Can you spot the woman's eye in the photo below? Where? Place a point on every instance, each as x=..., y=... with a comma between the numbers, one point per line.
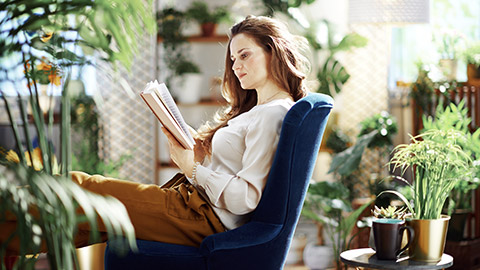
x=243, y=55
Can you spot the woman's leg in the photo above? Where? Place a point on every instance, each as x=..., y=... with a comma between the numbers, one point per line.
x=175, y=213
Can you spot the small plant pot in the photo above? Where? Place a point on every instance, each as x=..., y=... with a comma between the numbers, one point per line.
x=318, y=257
x=448, y=68
x=473, y=75
x=456, y=228
x=429, y=240
x=189, y=91
x=208, y=29
x=473, y=72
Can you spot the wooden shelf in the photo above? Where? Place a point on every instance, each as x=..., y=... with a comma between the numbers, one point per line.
x=206, y=102
x=216, y=38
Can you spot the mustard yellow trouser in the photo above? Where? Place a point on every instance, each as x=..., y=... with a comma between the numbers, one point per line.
x=173, y=213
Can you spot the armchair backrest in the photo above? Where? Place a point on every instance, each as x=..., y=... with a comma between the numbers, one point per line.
x=263, y=242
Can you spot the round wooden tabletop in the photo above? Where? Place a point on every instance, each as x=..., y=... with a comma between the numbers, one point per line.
x=365, y=257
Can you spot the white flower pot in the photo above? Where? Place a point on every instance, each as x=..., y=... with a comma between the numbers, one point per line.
x=318, y=257
x=189, y=89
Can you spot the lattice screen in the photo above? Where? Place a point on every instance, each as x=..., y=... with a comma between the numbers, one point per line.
x=365, y=93
x=128, y=126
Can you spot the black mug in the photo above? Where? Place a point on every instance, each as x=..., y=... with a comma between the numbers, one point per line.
x=388, y=235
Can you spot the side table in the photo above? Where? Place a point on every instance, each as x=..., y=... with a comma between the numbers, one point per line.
x=365, y=257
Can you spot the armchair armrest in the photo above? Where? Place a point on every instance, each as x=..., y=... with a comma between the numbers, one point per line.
x=251, y=234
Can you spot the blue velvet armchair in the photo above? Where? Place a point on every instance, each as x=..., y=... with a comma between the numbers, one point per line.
x=263, y=242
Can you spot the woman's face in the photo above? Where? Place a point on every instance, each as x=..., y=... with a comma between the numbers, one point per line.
x=250, y=62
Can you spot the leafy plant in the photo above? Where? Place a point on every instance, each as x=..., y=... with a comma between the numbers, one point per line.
x=200, y=12
x=376, y=131
x=44, y=73
x=422, y=91
x=337, y=140
x=184, y=66
x=45, y=209
x=456, y=117
x=448, y=42
x=63, y=35
x=386, y=126
x=437, y=162
x=328, y=204
x=283, y=6
x=85, y=137
x=471, y=54
x=332, y=75
x=170, y=24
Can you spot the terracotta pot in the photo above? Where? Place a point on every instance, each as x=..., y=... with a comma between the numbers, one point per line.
x=473, y=75
x=208, y=29
x=429, y=241
x=473, y=72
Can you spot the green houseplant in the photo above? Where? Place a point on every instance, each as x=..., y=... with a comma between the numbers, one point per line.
x=471, y=56
x=332, y=75
x=459, y=203
x=376, y=134
x=170, y=24
x=328, y=205
x=208, y=18
x=456, y=117
x=437, y=162
x=64, y=35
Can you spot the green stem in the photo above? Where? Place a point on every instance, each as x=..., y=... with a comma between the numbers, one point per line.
x=14, y=126
x=65, y=129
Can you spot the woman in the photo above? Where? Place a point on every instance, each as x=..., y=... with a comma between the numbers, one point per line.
x=228, y=169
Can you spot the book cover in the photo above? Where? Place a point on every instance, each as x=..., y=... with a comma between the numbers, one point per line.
x=159, y=100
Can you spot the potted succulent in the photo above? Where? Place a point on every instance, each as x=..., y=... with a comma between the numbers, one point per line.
x=388, y=231
x=64, y=35
x=390, y=212
x=437, y=162
x=207, y=18
x=328, y=205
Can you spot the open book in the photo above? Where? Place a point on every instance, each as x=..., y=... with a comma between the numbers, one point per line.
x=158, y=98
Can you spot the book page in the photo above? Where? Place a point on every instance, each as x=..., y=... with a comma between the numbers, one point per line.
x=167, y=99
x=165, y=115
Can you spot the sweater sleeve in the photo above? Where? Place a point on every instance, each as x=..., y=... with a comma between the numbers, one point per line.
x=240, y=193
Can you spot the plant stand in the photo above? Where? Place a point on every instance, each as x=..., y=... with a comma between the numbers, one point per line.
x=465, y=253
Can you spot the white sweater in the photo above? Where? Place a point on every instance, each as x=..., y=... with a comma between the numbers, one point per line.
x=242, y=154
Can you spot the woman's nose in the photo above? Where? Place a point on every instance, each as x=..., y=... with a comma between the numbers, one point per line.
x=235, y=65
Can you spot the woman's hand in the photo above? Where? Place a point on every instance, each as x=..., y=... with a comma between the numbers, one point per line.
x=182, y=157
x=198, y=149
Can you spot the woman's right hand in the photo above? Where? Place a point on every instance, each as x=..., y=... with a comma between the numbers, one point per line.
x=198, y=149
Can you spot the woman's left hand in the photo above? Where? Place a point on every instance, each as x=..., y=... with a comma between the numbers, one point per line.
x=182, y=157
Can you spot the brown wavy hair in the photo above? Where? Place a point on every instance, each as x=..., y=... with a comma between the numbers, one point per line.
x=288, y=69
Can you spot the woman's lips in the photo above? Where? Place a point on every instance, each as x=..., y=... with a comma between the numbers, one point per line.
x=241, y=75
